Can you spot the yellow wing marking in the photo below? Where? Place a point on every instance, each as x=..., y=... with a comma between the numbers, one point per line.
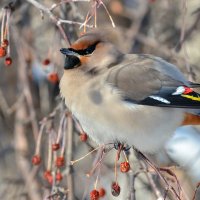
x=191, y=97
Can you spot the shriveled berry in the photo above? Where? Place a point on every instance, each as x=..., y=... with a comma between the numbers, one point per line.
x=5, y=43
x=46, y=61
x=124, y=167
x=2, y=52
x=53, y=77
x=59, y=176
x=36, y=160
x=60, y=161
x=115, y=189
x=102, y=192
x=83, y=137
x=94, y=195
x=55, y=146
x=8, y=61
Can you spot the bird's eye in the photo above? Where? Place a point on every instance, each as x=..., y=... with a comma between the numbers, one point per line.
x=87, y=51
x=90, y=49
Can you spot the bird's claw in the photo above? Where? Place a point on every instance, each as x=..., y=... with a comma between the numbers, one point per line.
x=122, y=146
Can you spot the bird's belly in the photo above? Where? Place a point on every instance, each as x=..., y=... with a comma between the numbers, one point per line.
x=146, y=128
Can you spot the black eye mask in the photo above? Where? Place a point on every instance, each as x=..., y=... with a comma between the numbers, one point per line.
x=86, y=51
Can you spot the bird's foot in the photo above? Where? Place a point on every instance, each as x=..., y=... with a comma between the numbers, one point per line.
x=121, y=146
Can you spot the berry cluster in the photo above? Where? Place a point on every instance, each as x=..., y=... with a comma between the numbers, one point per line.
x=49, y=177
x=55, y=158
x=59, y=162
x=96, y=194
x=115, y=188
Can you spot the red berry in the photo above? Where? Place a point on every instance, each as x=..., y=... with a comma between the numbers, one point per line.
x=94, y=195
x=59, y=176
x=8, y=61
x=36, y=160
x=83, y=137
x=115, y=189
x=2, y=51
x=48, y=176
x=50, y=179
x=53, y=77
x=124, y=167
x=47, y=173
x=5, y=43
x=55, y=146
x=46, y=61
x=102, y=192
x=60, y=161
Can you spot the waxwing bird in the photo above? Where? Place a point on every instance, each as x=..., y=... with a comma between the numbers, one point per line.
x=135, y=99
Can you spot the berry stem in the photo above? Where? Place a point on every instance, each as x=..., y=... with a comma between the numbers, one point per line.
x=125, y=157
x=97, y=163
x=87, y=19
x=95, y=14
x=111, y=19
x=60, y=130
x=7, y=30
x=38, y=144
x=96, y=182
x=75, y=161
x=78, y=126
x=49, y=162
x=64, y=137
x=116, y=159
x=3, y=25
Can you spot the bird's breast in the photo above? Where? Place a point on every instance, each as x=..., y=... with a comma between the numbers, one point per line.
x=107, y=118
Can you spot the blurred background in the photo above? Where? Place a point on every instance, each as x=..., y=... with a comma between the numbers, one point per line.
x=33, y=118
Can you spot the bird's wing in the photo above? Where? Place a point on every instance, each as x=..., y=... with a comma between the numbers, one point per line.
x=148, y=80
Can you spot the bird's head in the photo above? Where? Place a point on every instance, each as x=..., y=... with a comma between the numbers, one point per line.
x=92, y=50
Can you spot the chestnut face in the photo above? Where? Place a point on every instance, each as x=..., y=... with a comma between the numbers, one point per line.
x=72, y=58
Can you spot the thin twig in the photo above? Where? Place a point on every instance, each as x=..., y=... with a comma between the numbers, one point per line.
x=159, y=174
x=111, y=19
x=55, y=5
x=69, y=154
x=3, y=24
x=98, y=160
x=21, y=144
x=195, y=192
x=133, y=177
x=151, y=181
x=186, y=57
x=26, y=89
x=188, y=33
x=54, y=18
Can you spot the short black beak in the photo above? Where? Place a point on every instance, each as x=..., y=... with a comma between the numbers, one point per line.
x=71, y=59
